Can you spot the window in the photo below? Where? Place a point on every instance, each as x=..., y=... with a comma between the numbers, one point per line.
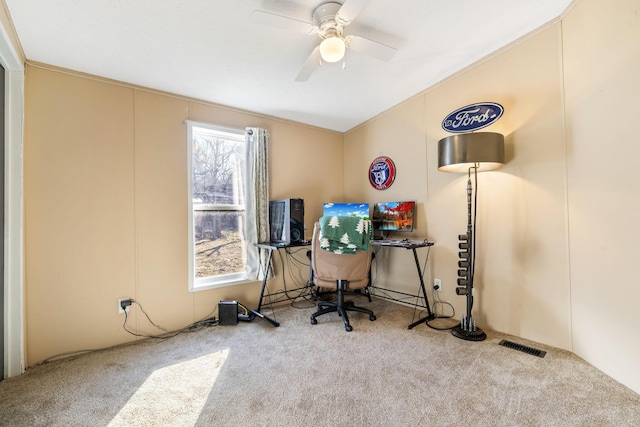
x=217, y=244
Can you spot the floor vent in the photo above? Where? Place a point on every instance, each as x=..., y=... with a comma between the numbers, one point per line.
x=523, y=348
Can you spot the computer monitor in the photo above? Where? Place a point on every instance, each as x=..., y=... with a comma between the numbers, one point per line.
x=393, y=217
x=361, y=210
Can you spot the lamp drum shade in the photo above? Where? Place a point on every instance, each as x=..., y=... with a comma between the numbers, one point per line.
x=458, y=153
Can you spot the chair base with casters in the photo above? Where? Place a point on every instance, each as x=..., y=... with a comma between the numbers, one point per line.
x=341, y=306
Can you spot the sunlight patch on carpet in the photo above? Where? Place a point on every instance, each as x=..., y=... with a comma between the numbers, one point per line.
x=173, y=395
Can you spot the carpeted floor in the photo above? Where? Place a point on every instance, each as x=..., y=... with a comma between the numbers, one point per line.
x=298, y=374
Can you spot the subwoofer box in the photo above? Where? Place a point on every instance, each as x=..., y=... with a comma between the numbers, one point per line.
x=228, y=313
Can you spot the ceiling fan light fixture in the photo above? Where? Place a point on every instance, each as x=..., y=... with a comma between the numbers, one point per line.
x=332, y=49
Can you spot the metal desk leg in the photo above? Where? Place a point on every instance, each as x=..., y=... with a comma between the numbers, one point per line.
x=264, y=286
x=430, y=315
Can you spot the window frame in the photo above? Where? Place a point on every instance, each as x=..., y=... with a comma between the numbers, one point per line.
x=211, y=282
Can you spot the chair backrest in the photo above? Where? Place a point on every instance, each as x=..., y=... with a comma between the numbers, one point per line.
x=329, y=267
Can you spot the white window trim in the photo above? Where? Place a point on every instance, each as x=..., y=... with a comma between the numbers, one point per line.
x=13, y=205
x=207, y=283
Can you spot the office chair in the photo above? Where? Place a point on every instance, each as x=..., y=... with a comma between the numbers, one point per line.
x=318, y=293
x=348, y=274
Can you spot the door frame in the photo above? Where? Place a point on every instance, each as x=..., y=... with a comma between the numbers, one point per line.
x=13, y=300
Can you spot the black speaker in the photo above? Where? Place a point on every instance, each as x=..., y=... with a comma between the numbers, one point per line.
x=297, y=221
x=227, y=313
x=286, y=220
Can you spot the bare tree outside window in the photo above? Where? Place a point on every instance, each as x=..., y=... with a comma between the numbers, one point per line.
x=218, y=170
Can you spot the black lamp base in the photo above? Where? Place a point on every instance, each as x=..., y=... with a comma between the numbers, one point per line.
x=477, y=335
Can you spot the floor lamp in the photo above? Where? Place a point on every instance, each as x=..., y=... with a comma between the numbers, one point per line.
x=470, y=153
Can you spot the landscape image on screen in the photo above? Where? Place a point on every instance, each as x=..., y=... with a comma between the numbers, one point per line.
x=393, y=216
x=360, y=210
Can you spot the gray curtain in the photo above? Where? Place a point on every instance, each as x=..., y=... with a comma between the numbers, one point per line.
x=257, y=203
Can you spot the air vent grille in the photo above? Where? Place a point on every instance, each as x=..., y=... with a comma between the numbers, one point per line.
x=523, y=348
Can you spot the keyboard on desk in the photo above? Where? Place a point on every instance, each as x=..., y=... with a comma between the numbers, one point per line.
x=400, y=242
x=389, y=242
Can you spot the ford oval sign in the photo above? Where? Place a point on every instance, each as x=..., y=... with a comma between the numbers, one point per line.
x=382, y=173
x=472, y=117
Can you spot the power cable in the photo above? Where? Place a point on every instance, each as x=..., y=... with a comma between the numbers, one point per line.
x=196, y=326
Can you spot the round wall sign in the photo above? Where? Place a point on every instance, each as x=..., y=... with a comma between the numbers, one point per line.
x=382, y=173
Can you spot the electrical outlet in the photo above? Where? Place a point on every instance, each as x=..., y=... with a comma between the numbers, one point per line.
x=123, y=304
x=437, y=284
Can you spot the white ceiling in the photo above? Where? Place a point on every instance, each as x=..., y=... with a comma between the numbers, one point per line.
x=211, y=50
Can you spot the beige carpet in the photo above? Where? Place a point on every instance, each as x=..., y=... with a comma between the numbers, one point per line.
x=299, y=374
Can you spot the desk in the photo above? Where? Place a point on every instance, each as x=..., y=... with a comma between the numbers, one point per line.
x=413, y=245
x=270, y=247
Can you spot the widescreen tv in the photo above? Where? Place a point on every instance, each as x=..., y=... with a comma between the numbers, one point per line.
x=390, y=217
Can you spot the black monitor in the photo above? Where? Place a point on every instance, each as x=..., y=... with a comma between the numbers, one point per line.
x=390, y=217
x=361, y=210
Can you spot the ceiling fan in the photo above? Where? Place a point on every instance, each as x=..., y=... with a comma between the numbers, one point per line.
x=329, y=21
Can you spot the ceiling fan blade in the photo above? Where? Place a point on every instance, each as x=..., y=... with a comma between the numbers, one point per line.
x=310, y=65
x=349, y=10
x=369, y=47
x=282, y=22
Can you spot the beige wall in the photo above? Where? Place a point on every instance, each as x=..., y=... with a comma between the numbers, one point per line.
x=79, y=211
x=105, y=206
x=556, y=235
x=602, y=65
x=521, y=264
x=399, y=135
x=521, y=228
